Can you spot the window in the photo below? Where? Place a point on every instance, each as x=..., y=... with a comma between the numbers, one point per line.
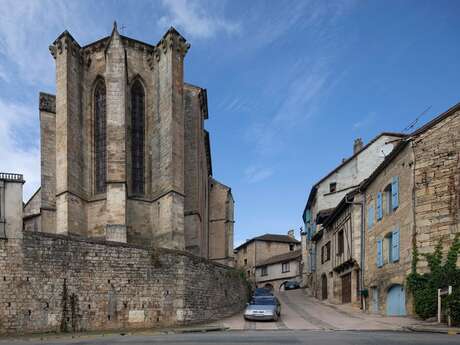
x=285, y=267
x=388, y=203
x=263, y=271
x=395, y=192
x=245, y=262
x=137, y=138
x=340, y=243
x=291, y=247
x=370, y=217
x=379, y=206
x=388, y=249
x=332, y=187
x=100, y=145
x=249, y=273
x=326, y=252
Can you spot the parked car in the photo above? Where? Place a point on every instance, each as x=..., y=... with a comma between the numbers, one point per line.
x=263, y=308
x=291, y=285
x=262, y=292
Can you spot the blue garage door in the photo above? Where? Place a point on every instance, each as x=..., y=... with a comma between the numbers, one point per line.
x=396, y=301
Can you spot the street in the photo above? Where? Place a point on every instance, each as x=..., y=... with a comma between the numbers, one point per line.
x=301, y=312
x=257, y=337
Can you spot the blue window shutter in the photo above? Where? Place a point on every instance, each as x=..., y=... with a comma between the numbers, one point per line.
x=379, y=253
x=395, y=246
x=370, y=217
x=395, y=192
x=379, y=206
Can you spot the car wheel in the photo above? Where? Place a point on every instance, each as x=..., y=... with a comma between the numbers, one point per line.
x=275, y=317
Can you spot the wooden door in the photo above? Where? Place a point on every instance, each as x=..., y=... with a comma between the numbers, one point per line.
x=323, y=286
x=396, y=301
x=346, y=288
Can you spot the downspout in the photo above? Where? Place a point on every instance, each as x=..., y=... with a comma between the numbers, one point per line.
x=362, y=247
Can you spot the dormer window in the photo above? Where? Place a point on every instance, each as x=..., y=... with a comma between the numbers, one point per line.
x=332, y=187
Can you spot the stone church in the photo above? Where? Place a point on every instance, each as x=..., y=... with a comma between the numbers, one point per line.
x=124, y=153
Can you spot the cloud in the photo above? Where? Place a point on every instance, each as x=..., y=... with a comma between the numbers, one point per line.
x=304, y=90
x=18, y=122
x=28, y=27
x=255, y=174
x=365, y=121
x=198, y=19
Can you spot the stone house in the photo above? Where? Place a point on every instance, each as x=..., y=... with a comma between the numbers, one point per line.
x=339, y=252
x=411, y=199
x=327, y=193
x=124, y=152
x=275, y=271
x=258, y=249
x=389, y=228
x=11, y=205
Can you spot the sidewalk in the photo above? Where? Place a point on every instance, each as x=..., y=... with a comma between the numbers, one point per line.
x=402, y=322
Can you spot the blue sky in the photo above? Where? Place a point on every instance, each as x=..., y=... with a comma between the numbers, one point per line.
x=290, y=84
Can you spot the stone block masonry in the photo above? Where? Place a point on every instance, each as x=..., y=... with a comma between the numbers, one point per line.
x=52, y=283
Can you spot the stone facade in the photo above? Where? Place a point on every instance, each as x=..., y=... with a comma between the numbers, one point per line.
x=221, y=220
x=128, y=177
x=410, y=199
x=261, y=248
x=384, y=268
x=52, y=282
x=337, y=274
x=275, y=271
x=327, y=193
x=436, y=148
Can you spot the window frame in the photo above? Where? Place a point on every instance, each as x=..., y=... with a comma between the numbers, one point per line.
x=137, y=138
x=263, y=271
x=100, y=136
x=285, y=267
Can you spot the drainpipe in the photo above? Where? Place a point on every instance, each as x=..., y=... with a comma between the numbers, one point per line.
x=361, y=263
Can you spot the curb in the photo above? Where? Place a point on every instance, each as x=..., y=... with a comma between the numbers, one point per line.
x=198, y=330
x=450, y=331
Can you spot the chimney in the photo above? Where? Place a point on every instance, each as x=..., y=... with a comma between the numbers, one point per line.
x=358, y=145
x=291, y=233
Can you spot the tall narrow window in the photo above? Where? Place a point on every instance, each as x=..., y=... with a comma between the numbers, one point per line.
x=137, y=138
x=100, y=144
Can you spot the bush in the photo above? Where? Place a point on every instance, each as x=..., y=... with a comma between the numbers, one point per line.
x=424, y=287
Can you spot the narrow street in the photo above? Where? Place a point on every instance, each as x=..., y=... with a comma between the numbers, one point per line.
x=301, y=312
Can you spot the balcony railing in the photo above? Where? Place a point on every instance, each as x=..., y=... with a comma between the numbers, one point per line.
x=11, y=176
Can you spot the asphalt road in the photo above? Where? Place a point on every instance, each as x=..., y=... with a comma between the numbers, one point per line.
x=300, y=312
x=259, y=337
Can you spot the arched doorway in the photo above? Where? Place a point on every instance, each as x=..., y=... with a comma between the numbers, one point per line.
x=323, y=286
x=396, y=301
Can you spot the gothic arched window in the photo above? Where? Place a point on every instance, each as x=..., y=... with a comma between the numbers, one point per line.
x=137, y=138
x=100, y=144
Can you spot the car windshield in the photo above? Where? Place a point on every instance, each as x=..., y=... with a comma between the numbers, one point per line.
x=263, y=301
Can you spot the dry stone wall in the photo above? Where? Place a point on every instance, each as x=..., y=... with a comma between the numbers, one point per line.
x=58, y=283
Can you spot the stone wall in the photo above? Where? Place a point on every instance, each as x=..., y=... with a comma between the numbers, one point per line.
x=55, y=282
x=437, y=184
